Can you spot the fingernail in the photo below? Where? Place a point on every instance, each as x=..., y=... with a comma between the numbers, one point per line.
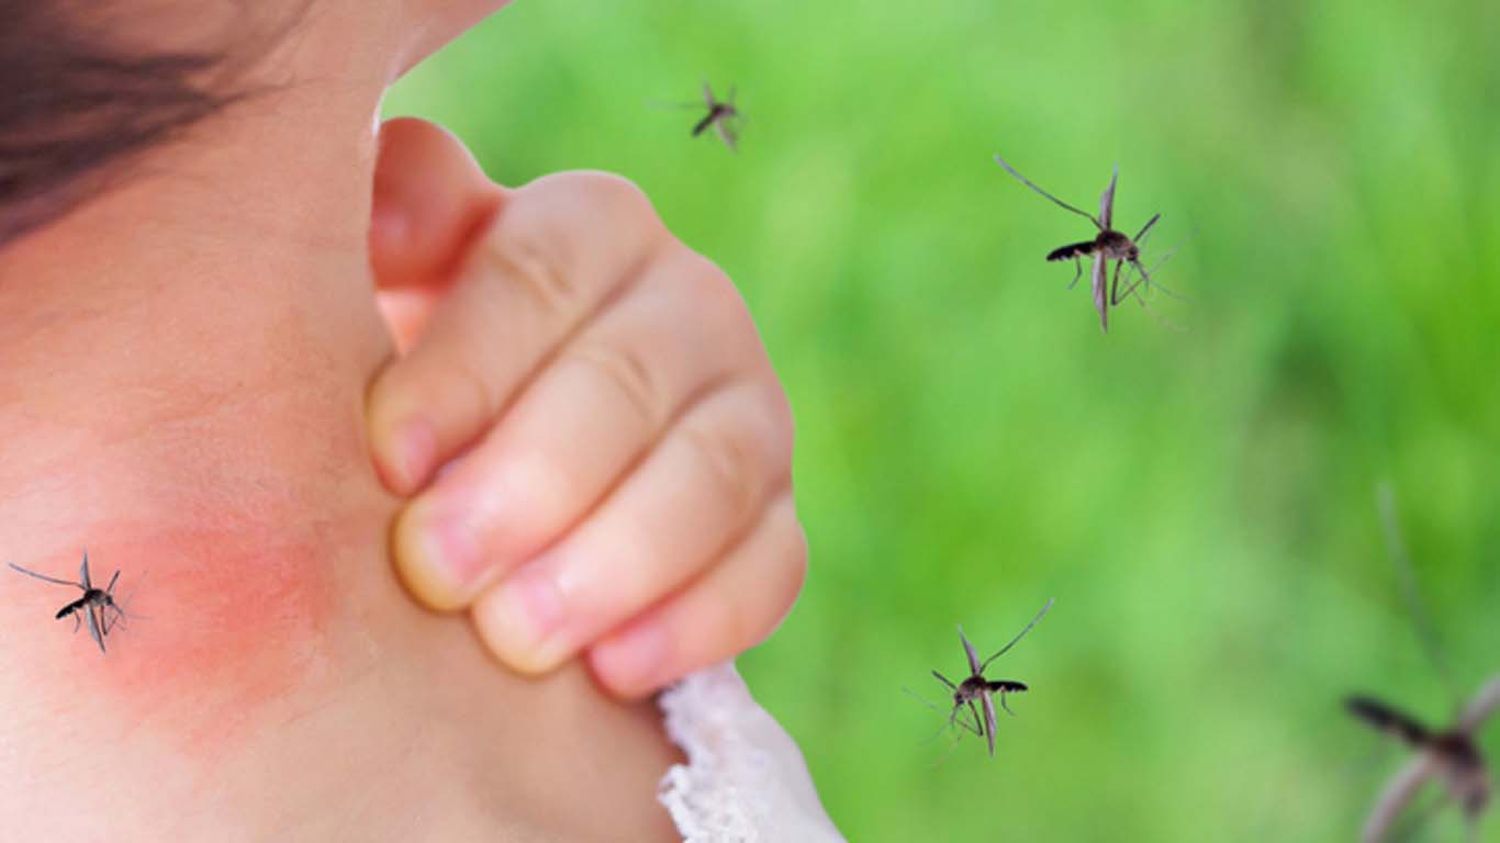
x=416, y=450
x=519, y=618
x=439, y=554
x=633, y=661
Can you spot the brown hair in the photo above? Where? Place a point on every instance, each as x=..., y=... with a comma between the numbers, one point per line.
x=75, y=109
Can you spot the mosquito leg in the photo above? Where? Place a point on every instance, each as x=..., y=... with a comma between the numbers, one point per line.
x=31, y=573
x=1004, y=706
x=1077, y=272
x=1049, y=197
x=956, y=718
x=1022, y=634
x=1116, y=297
x=957, y=739
x=979, y=729
x=76, y=621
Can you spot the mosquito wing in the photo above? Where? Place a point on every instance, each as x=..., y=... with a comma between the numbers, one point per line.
x=92, y=610
x=727, y=134
x=988, y=702
x=83, y=572
x=1107, y=201
x=1481, y=707
x=1398, y=794
x=1101, y=293
x=30, y=573
x=1019, y=636
x=975, y=668
x=708, y=96
x=1049, y=197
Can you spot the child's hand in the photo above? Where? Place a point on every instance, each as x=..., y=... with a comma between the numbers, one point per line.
x=623, y=474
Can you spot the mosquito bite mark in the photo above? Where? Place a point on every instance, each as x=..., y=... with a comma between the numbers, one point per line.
x=222, y=624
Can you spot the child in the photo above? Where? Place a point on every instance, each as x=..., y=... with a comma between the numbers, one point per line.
x=192, y=357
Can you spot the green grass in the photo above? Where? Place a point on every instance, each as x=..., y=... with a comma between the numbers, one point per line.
x=1199, y=501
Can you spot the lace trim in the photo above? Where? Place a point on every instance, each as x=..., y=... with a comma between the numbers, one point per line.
x=745, y=779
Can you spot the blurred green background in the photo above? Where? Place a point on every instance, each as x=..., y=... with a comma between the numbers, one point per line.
x=1196, y=488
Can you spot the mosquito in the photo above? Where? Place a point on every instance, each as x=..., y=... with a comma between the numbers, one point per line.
x=1108, y=245
x=977, y=687
x=723, y=116
x=93, y=605
x=1449, y=755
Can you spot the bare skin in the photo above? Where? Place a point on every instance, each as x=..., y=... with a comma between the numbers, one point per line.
x=186, y=360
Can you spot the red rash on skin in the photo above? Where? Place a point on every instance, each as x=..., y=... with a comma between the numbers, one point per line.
x=219, y=624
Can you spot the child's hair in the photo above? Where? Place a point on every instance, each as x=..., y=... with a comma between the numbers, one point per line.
x=75, y=108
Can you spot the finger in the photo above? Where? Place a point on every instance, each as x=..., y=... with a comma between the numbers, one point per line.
x=719, y=464
x=430, y=197
x=555, y=251
x=737, y=604
x=592, y=413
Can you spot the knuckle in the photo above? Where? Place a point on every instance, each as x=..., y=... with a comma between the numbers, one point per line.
x=782, y=419
x=747, y=622
x=531, y=255
x=481, y=392
x=631, y=586
x=778, y=428
x=731, y=452
x=715, y=298
x=612, y=193
x=789, y=551
x=628, y=370
x=603, y=197
x=796, y=565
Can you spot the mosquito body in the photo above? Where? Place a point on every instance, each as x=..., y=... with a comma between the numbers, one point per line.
x=94, y=606
x=1108, y=245
x=723, y=117
x=977, y=688
x=1450, y=756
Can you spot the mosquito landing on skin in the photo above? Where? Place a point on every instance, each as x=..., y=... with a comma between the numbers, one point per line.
x=95, y=604
x=977, y=688
x=1108, y=245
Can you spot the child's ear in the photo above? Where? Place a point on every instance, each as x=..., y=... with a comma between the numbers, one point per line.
x=430, y=199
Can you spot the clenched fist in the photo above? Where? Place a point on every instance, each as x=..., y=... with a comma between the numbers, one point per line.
x=616, y=446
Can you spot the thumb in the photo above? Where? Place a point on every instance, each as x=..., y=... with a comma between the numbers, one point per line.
x=430, y=199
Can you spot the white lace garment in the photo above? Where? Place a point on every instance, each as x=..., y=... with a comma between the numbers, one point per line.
x=745, y=779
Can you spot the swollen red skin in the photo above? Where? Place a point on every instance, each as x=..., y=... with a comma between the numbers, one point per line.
x=220, y=624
